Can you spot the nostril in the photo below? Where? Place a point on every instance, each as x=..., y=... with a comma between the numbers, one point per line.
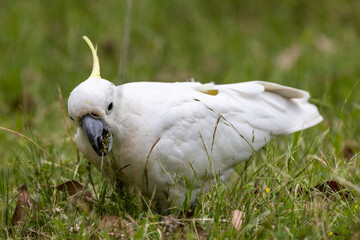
x=94, y=115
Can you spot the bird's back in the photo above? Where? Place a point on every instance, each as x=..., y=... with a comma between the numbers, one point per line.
x=176, y=130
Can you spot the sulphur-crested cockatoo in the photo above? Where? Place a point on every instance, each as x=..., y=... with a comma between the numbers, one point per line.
x=162, y=133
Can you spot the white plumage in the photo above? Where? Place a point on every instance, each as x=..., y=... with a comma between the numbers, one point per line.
x=163, y=132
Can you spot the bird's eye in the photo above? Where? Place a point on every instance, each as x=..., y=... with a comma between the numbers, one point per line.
x=110, y=106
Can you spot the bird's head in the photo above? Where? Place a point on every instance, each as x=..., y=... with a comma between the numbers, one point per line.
x=91, y=105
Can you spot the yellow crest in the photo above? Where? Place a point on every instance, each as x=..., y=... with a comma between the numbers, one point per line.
x=96, y=66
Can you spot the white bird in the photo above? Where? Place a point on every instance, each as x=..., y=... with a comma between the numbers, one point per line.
x=162, y=133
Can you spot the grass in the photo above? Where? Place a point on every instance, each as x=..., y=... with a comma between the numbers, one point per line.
x=309, y=45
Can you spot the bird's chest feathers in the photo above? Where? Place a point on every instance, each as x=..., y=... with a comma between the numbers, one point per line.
x=133, y=148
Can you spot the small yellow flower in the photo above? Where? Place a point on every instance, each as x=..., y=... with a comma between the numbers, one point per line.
x=356, y=206
x=330, y=233
x=267, y=190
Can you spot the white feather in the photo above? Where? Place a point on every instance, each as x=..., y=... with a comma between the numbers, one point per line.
x=178, y=121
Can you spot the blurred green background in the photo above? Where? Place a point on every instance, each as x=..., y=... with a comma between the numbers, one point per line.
x=313, y=45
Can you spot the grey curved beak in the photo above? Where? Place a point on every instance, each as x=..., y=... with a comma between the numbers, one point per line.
x=98, y=133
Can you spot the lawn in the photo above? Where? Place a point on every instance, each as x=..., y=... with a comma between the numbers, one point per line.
x=305, y=185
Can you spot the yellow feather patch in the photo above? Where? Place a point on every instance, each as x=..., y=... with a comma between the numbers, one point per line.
x=207, y=90
x=213, y=92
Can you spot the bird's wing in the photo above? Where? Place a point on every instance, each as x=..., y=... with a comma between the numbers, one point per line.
x=208, y=128
x=275, y=108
